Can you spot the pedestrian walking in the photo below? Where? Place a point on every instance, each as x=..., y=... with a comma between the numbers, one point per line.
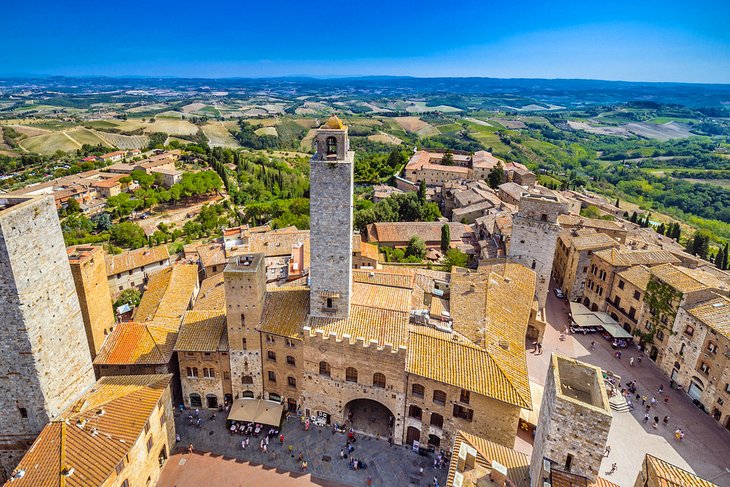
x=593, y=346
x=646, y=417
x=643, y=400
x=648, y=407
x=661, y=389
x=631, y=361
x=638, y=361
x=666, y=399
x=666, y=420
x=370, y=480
x=653, y=401
x=281, y=439
x=243, y=444
x=190, y=448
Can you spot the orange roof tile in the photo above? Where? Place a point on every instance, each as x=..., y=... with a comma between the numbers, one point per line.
x=90, y=443
x=133, y=259
x=134, y=343
x=203, y=331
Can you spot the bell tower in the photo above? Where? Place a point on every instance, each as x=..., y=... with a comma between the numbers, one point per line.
x=331, y=188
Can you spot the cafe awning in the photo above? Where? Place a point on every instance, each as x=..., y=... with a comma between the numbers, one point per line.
x=616, y=331
x=579, y=309
x=586, y=320
x=256, y=411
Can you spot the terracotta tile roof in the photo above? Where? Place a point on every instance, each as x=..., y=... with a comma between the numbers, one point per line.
x=579, y=221
x=665, y=474
x=592, y=242
x=485, y=159
x=210, y=254
x=638, y=276
x=203, y=331
x=90, y=443
x=601, y=482
x=422, y=160
x=401, y=232
x=369, y=251
x=478, y=308
x=715, y=313
x=381, y=297
x=212, y=294
x=517, y=463
x=133, y=259
x=382, y=325
x=133, y=343
x=278, y=243
x=682, y=279
x=627, y=258
x=390, y=277
x=437, y=355
x=285, y=312
x=168, y=295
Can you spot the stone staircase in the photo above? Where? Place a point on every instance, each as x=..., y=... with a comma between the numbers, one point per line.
x=618, y=403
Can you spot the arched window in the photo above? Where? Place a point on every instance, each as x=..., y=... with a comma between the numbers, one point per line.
x=351, y=374
x=272, y=376
x=274, y=397
x=331, y=145
x=379, y=380
x=247, y=394
x=292, y=382
x=196, y=401
x=247, y=379
x=414, y=412
x=439, y=397
x=324, y=369
x=418, y=390
x=329, y=303
x=437, y=420
x=290, y=360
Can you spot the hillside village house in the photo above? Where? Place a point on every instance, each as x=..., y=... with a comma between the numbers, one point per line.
x=131, y=268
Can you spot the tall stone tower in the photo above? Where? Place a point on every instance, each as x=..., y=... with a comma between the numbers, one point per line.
x=535, y=232
x=89, y=271
x=331, y=188
x=245, y=286
x=575, y=417
x=46, y=362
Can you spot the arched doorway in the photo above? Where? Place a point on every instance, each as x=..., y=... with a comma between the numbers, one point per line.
x=695, y=389
x=195, y=401
x=211, y=401
x=654, y=353
x=370, y=417
x=412, y=434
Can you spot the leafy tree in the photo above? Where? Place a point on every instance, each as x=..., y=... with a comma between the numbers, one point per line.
x=634, y=217
x=416, y=248
x=102, y=222
x=145, y=180
x=455, y=258
x=590, y=211
x=448, y=159
x=617, y=203
x=422, y=192
x=699, y=244
x=128, y=235
x=132, y=297
x=72, y=206
x=496, y=176
x=720, y=259
x=445, y=237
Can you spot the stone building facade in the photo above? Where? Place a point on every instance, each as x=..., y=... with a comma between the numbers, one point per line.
x=331, y=176
x=697, y=355
x=131, y=268
x=89, y=272
x=245, y=289
x=535, y=232
x=572, y=259
x=574, y=421
x=46, y=361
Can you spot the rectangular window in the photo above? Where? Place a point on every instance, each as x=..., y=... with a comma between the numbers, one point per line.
x=226, y=375
x=292, y=382
x=23, y=412
x=637, y=295
x=149, y=444
x=290, y=360
x=290, y=343
x=206, y=355
x=270, y=339
x=125, y=483
x=621, y=284
x=705, y=368
x=147, y=427
x=119, y=467
x=463, y=413
x=210, y=373
x=712, y=348
x=271, y=356
x=243, y=343
x=272, y=376
x=163, y=419
x=464, y=396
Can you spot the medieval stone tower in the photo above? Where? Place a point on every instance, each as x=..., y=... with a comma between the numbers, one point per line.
x=331, y=188
x=89, y=271
x=245, y=286
x=46, y=362
x=574, y=421
x=535, y=232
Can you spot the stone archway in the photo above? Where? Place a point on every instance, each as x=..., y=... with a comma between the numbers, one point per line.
x=370, y=417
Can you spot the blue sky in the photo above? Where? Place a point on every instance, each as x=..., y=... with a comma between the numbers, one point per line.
x=638, y=40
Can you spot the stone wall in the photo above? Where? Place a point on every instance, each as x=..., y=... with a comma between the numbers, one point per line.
x=218, y=386
x=331, y=189
x=89, y=272
x=492, y=419
x=574, y=420
x=332, y=394
x=282, y=348
x=245, y=287
x=46, y=363
x=134, y=278
x=143, y=467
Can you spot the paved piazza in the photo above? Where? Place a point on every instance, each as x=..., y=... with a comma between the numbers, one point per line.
x=221, y=461
x=706, y=447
